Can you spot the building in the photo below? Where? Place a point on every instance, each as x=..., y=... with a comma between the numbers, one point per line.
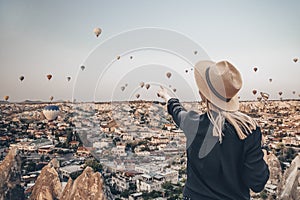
x=24, y=146
x=67, y=171
x=159, y=140
x=82, y=151
x=73, y=143
x=44, y=150
x=149, y=183
x=119, y=150
x=136, y=196
x=123, y=180
x=170, y=176
x=169, y=127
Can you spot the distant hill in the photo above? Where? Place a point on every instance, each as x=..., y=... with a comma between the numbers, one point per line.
x=32, y=101
x=43, y=102
x=22, y=102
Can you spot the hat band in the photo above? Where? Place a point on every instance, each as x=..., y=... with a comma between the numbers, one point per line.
x=211, y=87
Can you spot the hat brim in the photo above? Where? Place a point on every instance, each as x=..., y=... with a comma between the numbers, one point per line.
x=199, y=73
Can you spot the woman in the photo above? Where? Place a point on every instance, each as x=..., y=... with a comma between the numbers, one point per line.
x=224, y=155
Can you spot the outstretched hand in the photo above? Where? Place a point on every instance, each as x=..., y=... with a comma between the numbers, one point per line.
x=163, y=93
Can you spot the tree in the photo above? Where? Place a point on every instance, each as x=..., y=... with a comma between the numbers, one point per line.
x=182, y=171
x=264, y=194
x=290, y=154
x=167, y=186
x=125, y=194
x=94, y=164
x=74, y=175
x=78, y=138
x=47, y=158
x=42, y=158
x=69, y=137
x=115, y=140
x=17, y=193
x=113, y=189
x=153, y=194
x=132, y=187
x=30, y=166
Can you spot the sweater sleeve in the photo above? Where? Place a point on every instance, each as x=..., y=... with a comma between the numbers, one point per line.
x=177, y=111
x=188, y=121
x=256, y=171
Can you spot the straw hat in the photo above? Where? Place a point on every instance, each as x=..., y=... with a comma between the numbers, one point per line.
x=219, y=82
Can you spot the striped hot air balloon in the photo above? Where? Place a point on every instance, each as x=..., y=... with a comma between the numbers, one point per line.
x=51, y=112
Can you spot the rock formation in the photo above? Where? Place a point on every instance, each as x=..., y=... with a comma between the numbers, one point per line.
x=89, y=186
x=10, y=177
x=275, y=169
x=47, y=185
x=289, y=187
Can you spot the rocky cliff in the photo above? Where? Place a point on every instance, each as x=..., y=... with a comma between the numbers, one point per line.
x=89, y=185
x=289, y=187
x=275, y=169
x=47, y=185
x=10, y=177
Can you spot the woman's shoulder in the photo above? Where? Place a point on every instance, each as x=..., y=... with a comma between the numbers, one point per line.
x=196, y=116
x=254, y=138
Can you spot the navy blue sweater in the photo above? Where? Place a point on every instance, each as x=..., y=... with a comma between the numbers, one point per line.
x=219, y=171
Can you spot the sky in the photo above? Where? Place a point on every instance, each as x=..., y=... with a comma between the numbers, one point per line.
x=152, y=38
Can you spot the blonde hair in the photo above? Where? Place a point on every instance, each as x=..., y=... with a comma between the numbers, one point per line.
x=242, y=123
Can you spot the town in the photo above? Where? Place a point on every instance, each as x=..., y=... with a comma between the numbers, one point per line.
x=136, y=146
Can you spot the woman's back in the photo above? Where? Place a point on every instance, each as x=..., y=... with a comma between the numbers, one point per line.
x=219, y=175
x=219, y=170
x=224, y=155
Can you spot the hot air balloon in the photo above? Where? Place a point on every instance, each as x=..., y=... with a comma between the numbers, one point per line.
x=118, y=57
x=169, y=74
x=131, y=57
x=51, y=112
x=68, y=78
x=174, y=90
x=280, y=93
x=294, y=92
x=82, y=67
x=142, y=84
x=186, y=71
x=170, y=86
x=254, y=92
x=195, y=52
x=255, y=69
x=264, y=95
x=295, y=60
x=147, y=86
x=137, y=96
x=126, y=84
x=270, y=80
x=21, y=78
x=49, y=76
x=97, y=31
x=259, y=98
x=6, y=98
x=123, y=88
x=51, y=98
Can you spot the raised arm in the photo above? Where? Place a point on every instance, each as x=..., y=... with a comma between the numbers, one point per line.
x=174, y=107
